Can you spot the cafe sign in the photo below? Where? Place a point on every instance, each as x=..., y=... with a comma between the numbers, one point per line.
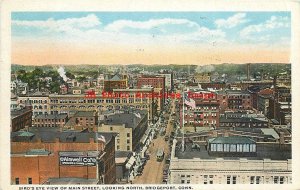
x=77, y=160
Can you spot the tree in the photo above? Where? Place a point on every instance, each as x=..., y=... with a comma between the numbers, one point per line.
x=37, y=72
x=81, y=78
x=70, y=75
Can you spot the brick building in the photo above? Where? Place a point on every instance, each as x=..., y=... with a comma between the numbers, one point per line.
x=263, y=100
x=153, y=81
x=116, y=81
x=50, y=120
x=48, y=155
x=234, y=100
x=168, y=80
x=21, y=118
x=83, y=120
x=245, y=120
x=239, y=100
x=206, y=113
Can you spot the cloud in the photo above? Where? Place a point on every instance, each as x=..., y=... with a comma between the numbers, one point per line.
x=61, y=25
x=120, y=25
x=232, y=21
x=89, y=29
x=268, y=26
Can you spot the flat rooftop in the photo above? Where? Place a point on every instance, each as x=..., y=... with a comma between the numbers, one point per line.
x=264, y=151
x=50, y=136
x=52, y=116
x=131, y=120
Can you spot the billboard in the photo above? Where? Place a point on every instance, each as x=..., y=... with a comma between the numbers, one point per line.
x=77, y=160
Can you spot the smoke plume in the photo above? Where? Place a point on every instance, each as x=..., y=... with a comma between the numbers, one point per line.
x=62, y=73
x=205, y=69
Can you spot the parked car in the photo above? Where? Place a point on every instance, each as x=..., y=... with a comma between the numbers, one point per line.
x=166, y=138
x=147, y=157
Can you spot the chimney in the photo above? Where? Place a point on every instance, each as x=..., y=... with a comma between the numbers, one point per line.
x=281, y=138
x=248, y=71
x=215, y=133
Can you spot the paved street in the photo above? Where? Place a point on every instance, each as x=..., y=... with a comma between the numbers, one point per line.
x=153, y=170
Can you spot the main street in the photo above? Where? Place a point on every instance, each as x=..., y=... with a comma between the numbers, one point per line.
x=153, y=170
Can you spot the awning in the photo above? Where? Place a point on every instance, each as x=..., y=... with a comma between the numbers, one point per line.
x=130, y=162
x=144, y=139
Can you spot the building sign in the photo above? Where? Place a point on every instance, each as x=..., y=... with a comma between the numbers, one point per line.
x=77, y=160
x=90, y=94
x=195, y=95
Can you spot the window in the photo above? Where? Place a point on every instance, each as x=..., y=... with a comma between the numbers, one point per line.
x=275, y=179
x=188, y=181
x=182, y=181
x=29, y=180
x=233, y=179
x=281, y=180
x=128, y=134
x=211, y=180
x=118, y=140
x=128, y=141
x=246, y=148
x=205, y=179
x=239, y=147
x=252, y=180
x=226, y=147
x=118, y=147
x=213, y=147
x=128, y=147
x=257, y=179
x=219, y=147
x=111, y=128
x=232, y=148
x=17, y=181
x=228, y=179
x=252, y=148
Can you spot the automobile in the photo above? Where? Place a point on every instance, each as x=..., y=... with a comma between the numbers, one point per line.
x=147, y=157
x=165, y=172
x=166, y=138
x=168, y=159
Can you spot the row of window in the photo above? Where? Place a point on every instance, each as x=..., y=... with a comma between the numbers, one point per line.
x=130, y=100
x=199, y=108
x=34, y=101
x=244, y=124
x=233, y=147
x=118, y=147
x=50, y=120
x=232, y=179
x=17, y=180
x=205, y=122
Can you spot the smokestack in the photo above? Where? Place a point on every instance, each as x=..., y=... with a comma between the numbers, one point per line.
x=248, y=71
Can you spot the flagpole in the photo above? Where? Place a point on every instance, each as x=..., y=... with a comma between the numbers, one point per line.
x=183, y=121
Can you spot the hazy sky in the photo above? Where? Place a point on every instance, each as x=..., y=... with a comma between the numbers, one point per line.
x=150, y=37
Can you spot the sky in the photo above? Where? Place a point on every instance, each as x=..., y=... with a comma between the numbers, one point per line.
x=105, y=38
